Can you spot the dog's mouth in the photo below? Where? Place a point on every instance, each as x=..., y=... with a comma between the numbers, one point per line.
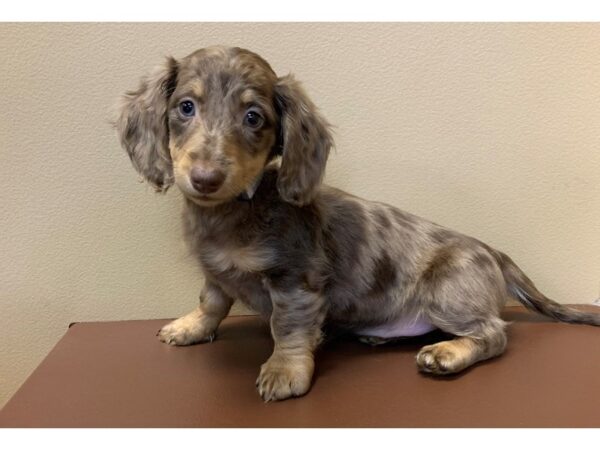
x=200, y=198
x=212, y=199
x=204, y=199
x=224, y=194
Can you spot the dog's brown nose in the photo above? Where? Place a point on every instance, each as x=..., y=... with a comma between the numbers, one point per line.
x=206, y=181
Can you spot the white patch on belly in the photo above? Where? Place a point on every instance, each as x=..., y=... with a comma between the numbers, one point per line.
x=402, y=327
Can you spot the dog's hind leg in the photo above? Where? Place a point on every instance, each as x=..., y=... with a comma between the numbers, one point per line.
x=463, y=292
x=484, y=341
x=201, y=324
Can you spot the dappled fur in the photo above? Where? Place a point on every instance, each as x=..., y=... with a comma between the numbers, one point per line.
x=142, y=126
x=300, y=253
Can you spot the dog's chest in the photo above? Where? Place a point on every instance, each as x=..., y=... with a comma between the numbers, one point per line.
x=227, y=258
x=239, y=272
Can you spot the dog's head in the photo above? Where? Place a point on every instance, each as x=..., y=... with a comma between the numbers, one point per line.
x=211, y=121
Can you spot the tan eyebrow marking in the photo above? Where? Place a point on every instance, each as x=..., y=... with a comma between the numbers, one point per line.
x=197, y=87
x=248, y=96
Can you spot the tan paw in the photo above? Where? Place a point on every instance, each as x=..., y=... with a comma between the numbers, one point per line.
x=186, y=330
x=441, y=359
x=279, y=380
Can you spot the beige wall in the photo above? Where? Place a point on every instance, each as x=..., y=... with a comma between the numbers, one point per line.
x=490, y=129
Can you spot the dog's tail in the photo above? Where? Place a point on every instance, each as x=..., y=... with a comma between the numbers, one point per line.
x=523, y=289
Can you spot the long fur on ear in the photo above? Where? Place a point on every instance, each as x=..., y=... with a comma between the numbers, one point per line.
x=305, y=140
x=143, y=128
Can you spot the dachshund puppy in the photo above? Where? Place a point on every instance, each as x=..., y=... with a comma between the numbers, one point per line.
x=248, y=151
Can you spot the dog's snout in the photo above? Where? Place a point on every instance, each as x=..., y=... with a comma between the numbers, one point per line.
x=206, y=181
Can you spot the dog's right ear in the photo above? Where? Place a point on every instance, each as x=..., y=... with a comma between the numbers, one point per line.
x=143, y=128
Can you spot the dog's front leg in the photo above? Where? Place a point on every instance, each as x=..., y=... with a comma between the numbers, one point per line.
x=296, y=322
x=199, y=325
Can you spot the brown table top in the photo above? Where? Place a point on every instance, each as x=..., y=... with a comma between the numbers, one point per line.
x=117, y=374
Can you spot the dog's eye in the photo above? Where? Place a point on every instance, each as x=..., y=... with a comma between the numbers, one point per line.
x=253, y=119
x=187, y=108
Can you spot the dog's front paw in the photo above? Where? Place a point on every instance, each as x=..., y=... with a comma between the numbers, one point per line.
x=185, y=331
x=282, y=378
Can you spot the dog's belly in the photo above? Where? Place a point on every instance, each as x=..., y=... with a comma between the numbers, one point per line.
x=406, y=326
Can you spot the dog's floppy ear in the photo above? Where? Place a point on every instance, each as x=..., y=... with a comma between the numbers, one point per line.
x=143, y=128
x=305, y=143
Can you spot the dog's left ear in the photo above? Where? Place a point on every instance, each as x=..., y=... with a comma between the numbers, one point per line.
x=305, y=143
